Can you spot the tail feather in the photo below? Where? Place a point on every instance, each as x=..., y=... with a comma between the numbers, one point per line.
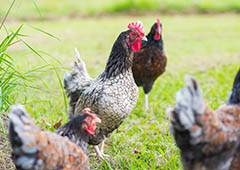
x=190, y=103
x=234, y=97
x=75, y=80
x=81, y=64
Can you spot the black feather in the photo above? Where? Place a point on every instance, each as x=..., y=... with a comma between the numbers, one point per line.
x=119, y=60
x=234, y=97
x=74, y=131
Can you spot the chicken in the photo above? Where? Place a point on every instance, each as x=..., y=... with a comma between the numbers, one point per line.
x=37, y=149
x=73, y=129
x=113, y=94
x=208, y=139
x=150, y=61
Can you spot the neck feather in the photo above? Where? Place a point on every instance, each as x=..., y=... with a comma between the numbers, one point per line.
x=120, y=60
x=152, y=41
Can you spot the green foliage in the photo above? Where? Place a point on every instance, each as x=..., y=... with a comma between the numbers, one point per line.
x=133, y=5
x=9, y=76
x=12, y=79
x=172, y=5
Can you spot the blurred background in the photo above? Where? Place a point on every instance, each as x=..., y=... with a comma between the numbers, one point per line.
x=24, y=9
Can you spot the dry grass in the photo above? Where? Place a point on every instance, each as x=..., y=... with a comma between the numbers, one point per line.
x=5, y=154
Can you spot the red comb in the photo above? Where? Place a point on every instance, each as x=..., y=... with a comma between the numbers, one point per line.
x=137, y=26
x=158, y=23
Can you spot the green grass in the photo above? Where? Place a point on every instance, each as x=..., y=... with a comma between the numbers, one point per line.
x=206, y=47
x=26, y=9
x=12, y=80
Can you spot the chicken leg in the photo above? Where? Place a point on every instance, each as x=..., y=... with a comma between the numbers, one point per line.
x=100, y=152
x=146, y=101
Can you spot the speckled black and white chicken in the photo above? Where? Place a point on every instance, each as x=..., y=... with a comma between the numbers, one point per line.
x=113, y=94
x=208, y=140
x=34, y=149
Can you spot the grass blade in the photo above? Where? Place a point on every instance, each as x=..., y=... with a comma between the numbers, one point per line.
x=38, y=10
x=47, y=33
x=6, y=15
x=58, y=61
x=34, y=51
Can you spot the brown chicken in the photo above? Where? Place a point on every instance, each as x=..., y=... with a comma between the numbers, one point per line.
x=113, y=94
x=208, y=139
x=150, y=61
x=36, y=149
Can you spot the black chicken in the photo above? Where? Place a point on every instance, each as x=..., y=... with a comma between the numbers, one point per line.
x=150, y=61
x=113, y=94
x=208, y=140
x=78, y=132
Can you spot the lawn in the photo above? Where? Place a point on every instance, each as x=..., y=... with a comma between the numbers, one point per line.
x=205, y=46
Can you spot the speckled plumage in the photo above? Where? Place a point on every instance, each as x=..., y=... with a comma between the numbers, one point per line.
x=208, y=139
x=112, y=95
x=38, y=150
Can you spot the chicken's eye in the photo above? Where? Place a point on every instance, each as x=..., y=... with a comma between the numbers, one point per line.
x=133, y=35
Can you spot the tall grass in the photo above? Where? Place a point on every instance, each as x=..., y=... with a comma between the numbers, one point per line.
x=12, y=80
x=9, y=75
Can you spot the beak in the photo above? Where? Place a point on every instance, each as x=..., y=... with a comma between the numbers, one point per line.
x=97, y=120
x=144, y=38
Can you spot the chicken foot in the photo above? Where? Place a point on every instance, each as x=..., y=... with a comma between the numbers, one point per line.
x=100, y=152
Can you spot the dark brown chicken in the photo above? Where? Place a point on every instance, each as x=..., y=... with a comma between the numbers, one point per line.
x=113, y=94
x=36, y=149
x=208, y=139
x=150, y=61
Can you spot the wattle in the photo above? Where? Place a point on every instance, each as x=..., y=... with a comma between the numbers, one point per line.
x=157, y=36
x=136, y=46
x=91, y=129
